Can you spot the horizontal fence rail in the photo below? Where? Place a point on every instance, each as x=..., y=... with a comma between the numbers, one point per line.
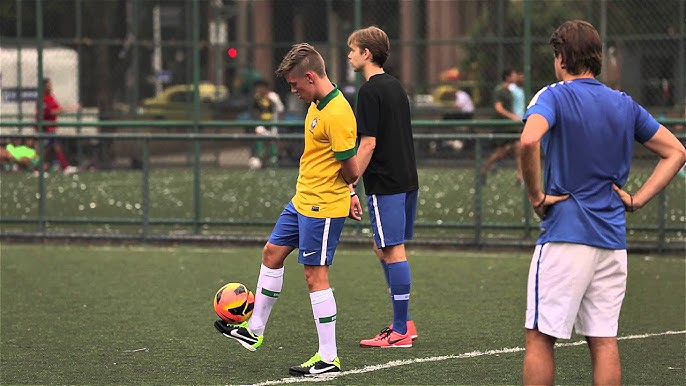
x=459, y=206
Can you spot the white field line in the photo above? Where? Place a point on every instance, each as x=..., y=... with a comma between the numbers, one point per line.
x=471, y=354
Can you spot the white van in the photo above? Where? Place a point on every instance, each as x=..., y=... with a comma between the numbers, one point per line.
x=18, y=96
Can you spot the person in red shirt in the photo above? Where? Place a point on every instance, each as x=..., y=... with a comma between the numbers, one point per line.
x=51, y=109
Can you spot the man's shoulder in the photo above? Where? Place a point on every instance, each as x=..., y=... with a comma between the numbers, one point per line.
x=552, y=90
x=338, y=108
x=340, y=103
x=379, y=80
x=367, y=86
x=515, y=88
x=500, y=92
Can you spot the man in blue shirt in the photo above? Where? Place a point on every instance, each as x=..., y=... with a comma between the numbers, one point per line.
x=578, y=271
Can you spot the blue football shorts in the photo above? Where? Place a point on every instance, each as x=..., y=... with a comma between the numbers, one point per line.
x=51, y=141
x=315, y=238
x=392, y=217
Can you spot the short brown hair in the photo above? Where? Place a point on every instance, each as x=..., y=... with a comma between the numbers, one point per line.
x=375, y=40
x=302, y=58
x=578, y=42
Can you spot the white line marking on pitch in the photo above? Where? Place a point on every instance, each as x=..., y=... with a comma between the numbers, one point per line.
x=471, y=354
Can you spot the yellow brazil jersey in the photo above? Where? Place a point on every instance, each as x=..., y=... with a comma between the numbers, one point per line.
x=330, y=137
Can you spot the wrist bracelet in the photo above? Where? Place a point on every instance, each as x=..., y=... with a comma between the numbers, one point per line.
x=353, y=194
x=540, y=204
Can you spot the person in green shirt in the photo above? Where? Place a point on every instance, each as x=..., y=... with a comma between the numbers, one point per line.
x=503, y=101
x=20, y=152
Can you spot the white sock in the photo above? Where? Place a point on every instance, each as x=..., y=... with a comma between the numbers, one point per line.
x=268, y=289
x=324, y=311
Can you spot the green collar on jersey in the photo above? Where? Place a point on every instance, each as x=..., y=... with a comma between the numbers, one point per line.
x=322, y=103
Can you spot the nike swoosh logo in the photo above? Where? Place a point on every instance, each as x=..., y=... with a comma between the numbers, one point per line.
x=308, y=254
x=391, y=341
x=323, y=369
x=235, y=334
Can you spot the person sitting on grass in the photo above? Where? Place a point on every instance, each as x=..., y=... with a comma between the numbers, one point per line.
x=19, y=154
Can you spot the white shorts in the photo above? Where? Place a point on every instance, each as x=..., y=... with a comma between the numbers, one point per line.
x=575, y=285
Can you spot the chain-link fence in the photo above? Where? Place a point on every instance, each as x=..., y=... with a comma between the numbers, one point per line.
x=117, y=53
x=132, y=64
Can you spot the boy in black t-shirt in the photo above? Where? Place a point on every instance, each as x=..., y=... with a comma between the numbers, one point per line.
x=387, y=161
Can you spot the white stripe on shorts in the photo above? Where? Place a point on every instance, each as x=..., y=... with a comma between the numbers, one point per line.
x=378, y=221
x=325, y=241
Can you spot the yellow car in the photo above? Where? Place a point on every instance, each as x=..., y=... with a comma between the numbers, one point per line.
x=176, y=102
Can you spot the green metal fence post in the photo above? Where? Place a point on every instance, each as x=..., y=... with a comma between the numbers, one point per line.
x=41, y=186
x=78, y=22
x=682, y=52
x=19, y=73
x=146, y=189
x=661, y=225
x=478, y=183
x=527, y=96
x=196, y=118
x=500, y=33
x=357, y=21
x=41, y=123
x=527, y=50
x=527, y=213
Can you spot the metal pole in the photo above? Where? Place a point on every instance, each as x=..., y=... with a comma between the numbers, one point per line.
x=603, y=36
x=157, y=46
x=661, y=221
x=39, y=110
x=20, y=103
x=146, y=188
x=478, y=184
x=527, y=96
x=682, y=55
x=333, y=39
x=527, y=49
x=357, y=23
x=196, y=117
x=132, y=86
x=135, y=95
x=217, y=32
x=416, y=22
x=500, y=26
x=357, y=14
x=78, y=22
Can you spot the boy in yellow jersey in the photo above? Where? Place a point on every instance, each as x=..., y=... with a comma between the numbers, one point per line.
x=313, y=220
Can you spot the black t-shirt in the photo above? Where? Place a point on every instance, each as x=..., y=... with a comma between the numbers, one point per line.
x=383, y=111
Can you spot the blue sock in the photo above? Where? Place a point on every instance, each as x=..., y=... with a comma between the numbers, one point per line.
x=385, y=272
x=400, y=282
